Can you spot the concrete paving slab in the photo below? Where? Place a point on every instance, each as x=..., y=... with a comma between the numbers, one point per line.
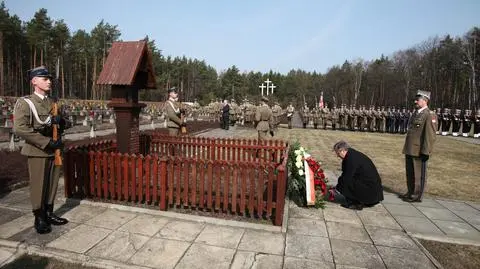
x=20, y=201
x=389, y=198
x=305, y=213
x=428, y=202
x=404, y=258
x=308, y=247
x=17, y=225
x=160, y=253
x=5, y=254
x=458, y=206
x=144, y=224
x=403, y=210
x=250, y=260
x=341, y=215
x=377, y=208
x=80, y=239
x=181, y=230
x=356, y=254
x=439, y=214
x=458, y=229
x=82, y=213
x=204, y=257
x=220, y=236
x=390, y=238
x=345, y=231
x=307, y=227
x=30, y=235
x=118, y=246
x=261, y=241
x=418, y=225
x=474, y=205
x=295, y=263
x=7, y=215
x=341, y=266
x=111, y=219
x=14, y=196
x=380, y=219
x=470, y=217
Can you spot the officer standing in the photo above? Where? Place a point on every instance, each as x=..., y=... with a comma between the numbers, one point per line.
x=174, y=116
x=466, y=122
x=456, y=122
x=225, y=115
x=34, y=123
x=263, y=119
x=290, y=111
x=418, y=147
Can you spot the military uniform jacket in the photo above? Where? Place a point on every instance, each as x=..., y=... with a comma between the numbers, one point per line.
x=27, y=127
x=421, y=133
x=173, y=114
x=263, y=116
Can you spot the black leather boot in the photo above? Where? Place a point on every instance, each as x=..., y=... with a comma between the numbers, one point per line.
x=54, y=219
x=41, y=224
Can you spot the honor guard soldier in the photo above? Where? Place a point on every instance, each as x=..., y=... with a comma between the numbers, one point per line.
x=325, y=114
x=174, y=113
x=316, y=115
x=446, y=121
x=290, y=111
x=342, y=117
x=277, y=112
x=476, y=124
x=418, y=147
x=405, y=116
x=226, y=115
x=35, y=122
x=263, y=119
x=305, y=115
x=456, y=122
x=352, y=118
x=439, y=118
x=466, y=122
x=382, y=121
x=334, y=113
x=388, y=118
x=371, y=118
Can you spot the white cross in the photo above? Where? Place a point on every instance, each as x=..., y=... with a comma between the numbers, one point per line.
x=272, y=87
x=268, y=83
x=263, y=87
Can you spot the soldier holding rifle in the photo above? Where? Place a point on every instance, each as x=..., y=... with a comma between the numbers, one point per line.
x=36, y=121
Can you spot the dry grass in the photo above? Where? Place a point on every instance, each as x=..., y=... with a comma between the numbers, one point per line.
x=37, y=262
x=453, y=169
x=454, y=256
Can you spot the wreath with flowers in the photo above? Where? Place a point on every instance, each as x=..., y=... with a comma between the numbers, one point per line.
x=303, y=168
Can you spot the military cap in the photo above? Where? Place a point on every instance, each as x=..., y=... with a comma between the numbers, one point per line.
x=173, y=89
x=265, y=99
x=423, y=94
x=40, y=71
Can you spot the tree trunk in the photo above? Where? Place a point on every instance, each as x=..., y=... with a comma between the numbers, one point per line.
x=86, y=78
x=2, y=82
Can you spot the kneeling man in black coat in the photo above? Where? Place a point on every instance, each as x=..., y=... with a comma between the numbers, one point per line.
x=360, y=182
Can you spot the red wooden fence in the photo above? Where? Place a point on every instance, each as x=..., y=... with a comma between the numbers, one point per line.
x=203, y=173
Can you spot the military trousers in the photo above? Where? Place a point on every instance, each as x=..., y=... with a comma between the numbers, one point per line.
x=44, y=177
x=416, y=176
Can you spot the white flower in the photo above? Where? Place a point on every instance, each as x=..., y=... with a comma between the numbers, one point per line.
x=302, y=149
x=299, y=158
x=298, y=164
x=297, y=152
x=300, y=172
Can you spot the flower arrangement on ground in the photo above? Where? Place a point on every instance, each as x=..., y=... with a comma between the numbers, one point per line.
x=307, y=182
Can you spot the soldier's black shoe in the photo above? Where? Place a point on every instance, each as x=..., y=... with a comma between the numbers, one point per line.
x=412, y=199
x=54, y=219
x=405, y=195
x=41, y=224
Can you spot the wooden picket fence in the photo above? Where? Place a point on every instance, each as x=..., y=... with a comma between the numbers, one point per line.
x=236, y=176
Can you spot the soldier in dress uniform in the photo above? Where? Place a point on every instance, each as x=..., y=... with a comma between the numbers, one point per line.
x=290, y=111
x=418, y=147
x=316, y=115
x=360, y=118
x=466, y=122
x=371, y=118
x=263, y=120
x=476, y=124
x=446, y=121
x=352, y=118
x=389, y=121
x=342, y=117
x=456, y=122
x=325, y=115
x=34, y=123
x=305, y=115
x=405, y=116
x=381, y=119
x=439, y=118
x=174, y=113
x=226, y=115
x=334, y=113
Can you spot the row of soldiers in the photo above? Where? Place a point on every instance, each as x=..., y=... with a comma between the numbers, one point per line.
x=381, y=119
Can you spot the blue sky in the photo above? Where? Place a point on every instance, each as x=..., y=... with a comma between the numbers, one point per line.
x=262, y=35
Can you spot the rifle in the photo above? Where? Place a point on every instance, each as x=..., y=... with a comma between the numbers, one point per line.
x=183, y=128
x=58, y=156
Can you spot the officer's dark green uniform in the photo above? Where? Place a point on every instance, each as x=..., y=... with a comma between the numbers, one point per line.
x=39, y=148
x=263, y=118
x=173, y=113
x=418, y=147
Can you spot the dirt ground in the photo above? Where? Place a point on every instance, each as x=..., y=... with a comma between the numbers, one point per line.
x=454, y=256
x=37, y=262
